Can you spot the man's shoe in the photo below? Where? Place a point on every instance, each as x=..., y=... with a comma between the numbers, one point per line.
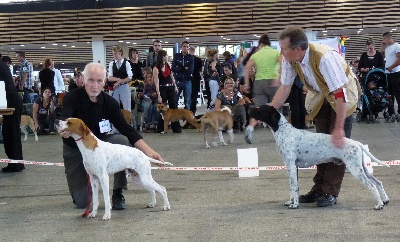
x=310, y=197
x=118, y=201
x=177, y=131
x=248, y=134
x=9, y=168
x=326, y=200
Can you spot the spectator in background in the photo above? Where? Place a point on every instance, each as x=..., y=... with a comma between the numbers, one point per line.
x=78, y=81
x=239, y=62
x=152, y=56
x=8, y=61
x=11, y=123
x=392, y=67
x=47, y=77
x=149, y=97
x=43, y=112
x=370, y=59
x=182, y=67
x=136, y=64
x=214, y=76
x=228, y=74
x=206, y=75
x=25, y=81
x=58, y=80
x=267, y=61
x=197, y=66
x=119, y=74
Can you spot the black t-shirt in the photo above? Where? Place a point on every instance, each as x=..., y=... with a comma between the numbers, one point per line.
x=77, y=104
x=46, y=77
x=5, y=75
x=136, y=70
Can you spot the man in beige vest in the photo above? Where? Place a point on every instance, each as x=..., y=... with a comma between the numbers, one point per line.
x=332, y=97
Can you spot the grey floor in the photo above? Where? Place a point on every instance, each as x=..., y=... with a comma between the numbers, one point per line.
x=205, y=205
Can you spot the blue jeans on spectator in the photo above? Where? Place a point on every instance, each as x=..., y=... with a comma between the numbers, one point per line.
x=186, y=87
x=149, y=110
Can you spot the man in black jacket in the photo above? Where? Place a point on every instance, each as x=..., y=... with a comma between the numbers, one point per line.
x=98, y=110
x=182, y=67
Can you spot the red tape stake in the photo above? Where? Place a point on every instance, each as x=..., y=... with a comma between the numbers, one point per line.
x=220, y=168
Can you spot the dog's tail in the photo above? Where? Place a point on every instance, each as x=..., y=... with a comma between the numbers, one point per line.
x=154, y=161
x=226, y=108
x=372, y=156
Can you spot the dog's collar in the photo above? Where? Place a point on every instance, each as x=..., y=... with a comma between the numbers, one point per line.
x=79, y=138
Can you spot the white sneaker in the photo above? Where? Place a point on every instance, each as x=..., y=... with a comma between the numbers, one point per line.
x=248, y=134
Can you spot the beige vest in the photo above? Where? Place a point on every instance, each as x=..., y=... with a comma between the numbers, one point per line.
x=315, y=99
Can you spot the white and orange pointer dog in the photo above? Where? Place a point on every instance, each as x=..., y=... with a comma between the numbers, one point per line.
x=102, y=158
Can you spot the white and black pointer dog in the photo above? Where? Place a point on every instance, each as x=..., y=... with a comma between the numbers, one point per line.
x=102, y=158
x=304, y=149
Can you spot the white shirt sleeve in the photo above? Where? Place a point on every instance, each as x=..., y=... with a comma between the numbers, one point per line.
x=58, y=81
x=332, y=70
x=129, y=69
x=288, y=74
x=110, y=69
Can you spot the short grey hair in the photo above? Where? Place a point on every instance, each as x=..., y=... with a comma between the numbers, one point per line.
x=296, y=35
x=93, y=65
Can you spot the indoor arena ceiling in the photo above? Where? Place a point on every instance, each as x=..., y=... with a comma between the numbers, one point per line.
x=65, y=36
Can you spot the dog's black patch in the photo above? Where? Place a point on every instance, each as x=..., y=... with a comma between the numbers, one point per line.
x=267, y=114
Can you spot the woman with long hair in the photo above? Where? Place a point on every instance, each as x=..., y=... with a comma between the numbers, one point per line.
x=166, y=88
x=43, y=112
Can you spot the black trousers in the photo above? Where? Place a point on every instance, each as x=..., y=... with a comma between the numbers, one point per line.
x=168, y=95
x=195, y=92
x=11, y=129
x=394, y=90
x=329, y=176
x=298, y=112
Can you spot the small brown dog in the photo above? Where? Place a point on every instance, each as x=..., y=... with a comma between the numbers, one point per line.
x=217, y=120
x=127, y=116
x=25, y=121
x=172, y=115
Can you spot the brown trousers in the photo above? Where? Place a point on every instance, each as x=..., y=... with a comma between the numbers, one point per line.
x=329, y=176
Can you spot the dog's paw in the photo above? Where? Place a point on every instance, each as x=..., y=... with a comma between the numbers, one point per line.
x=162, y=132
x=25, y=139
x=106, y=216
x=151, y=205
x=288, y=203
x=208, y=147
x=223, y=144
x=166, y=208
x=293, y=206
x=379, y=206
x=386, y=202
x=92, y=214
x=36, y=138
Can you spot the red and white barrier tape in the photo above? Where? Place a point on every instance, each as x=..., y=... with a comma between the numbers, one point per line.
x=222, y=168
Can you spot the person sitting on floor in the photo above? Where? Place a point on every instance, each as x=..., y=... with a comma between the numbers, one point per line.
x=43, y=112
x=232, y=98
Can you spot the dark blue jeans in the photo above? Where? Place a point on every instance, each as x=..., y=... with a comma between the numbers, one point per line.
x=186, y=87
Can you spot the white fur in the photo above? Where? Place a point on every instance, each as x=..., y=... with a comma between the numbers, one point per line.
x=110, y=158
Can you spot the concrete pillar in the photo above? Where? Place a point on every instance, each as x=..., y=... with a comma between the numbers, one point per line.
x=99, y=51
x=311, y=35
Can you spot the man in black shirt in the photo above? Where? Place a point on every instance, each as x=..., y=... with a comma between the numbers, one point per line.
x=11, y=130
x=96, y=109
x=197, y=66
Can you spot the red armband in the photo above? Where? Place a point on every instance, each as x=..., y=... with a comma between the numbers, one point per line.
x=341, y=94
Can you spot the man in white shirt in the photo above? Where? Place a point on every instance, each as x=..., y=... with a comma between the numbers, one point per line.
x=58, y=80
x=322, y=70
x=392, y=66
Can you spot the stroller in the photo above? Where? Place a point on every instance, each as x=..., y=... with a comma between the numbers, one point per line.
x=375, y=97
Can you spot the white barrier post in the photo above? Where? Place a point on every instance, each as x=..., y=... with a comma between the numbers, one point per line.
x=248, y=158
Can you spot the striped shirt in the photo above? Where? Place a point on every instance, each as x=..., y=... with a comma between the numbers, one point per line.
x=26, y=67
x=330, y=68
